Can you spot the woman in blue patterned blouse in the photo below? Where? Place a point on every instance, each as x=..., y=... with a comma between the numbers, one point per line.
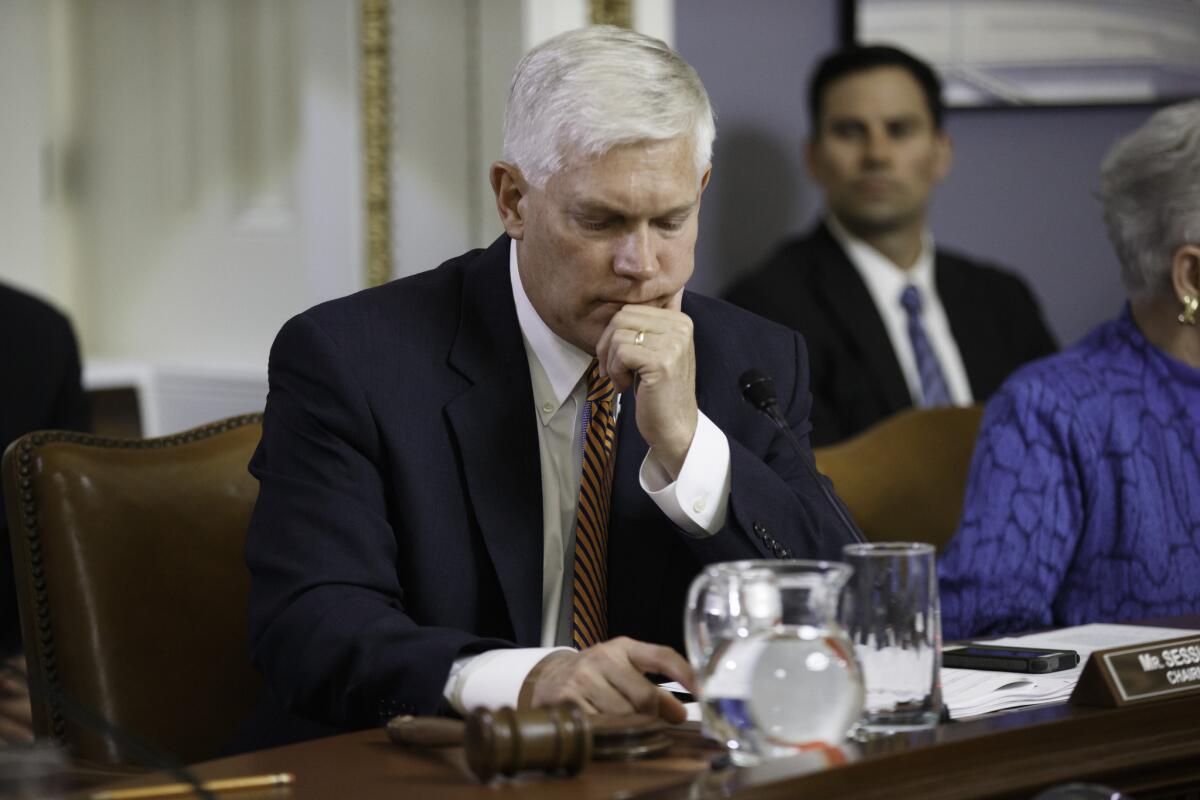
x=1083, y=501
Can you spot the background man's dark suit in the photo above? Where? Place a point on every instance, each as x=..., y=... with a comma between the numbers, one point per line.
x=39, y=362
x=399, y=522
x=810, y=285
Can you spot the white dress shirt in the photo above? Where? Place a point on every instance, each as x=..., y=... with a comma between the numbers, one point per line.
x=696, y=500
x=886, y=282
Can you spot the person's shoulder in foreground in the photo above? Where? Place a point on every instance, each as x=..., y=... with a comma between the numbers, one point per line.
x=31, y=319
x=39, y=359
x=1074, y=511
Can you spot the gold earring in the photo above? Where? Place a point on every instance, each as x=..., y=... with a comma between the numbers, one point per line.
x=1190, y=305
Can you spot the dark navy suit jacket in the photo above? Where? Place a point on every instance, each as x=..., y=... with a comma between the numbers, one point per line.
x=399, y=522
x=39, y=360
x=810, y=285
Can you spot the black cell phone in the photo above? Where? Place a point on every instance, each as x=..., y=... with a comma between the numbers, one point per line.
x=1008, y=659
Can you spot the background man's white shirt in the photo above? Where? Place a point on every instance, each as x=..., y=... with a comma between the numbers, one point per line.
x=885, y=282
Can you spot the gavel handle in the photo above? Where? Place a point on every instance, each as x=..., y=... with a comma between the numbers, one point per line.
x=427, y=731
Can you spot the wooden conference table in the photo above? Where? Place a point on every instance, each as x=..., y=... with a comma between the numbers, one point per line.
x=1149, y=751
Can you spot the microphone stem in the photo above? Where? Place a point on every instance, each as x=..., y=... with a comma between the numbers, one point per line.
x=771, y=409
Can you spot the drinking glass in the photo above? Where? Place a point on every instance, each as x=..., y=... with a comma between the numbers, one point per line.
x=777, y=676
x=890, y=611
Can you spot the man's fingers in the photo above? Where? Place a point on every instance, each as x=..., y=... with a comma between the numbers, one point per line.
x=611, y=363
x=636, y=688
x=670, y=708
x=585, y=678
x=624, y=661
x=608, y=678
x=626, y=359
x=602, y=688
x=663, y=661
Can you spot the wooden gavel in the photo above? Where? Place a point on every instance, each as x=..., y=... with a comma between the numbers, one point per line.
x=559, y=739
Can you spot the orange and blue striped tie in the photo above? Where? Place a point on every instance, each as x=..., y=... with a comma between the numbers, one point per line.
x=589, y=619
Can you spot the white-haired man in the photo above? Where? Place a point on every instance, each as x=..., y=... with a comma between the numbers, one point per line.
x=492, y=483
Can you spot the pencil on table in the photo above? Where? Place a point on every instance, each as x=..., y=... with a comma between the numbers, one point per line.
x=178, y=789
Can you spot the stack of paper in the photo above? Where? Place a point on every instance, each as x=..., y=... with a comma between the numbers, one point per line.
x=971, y=692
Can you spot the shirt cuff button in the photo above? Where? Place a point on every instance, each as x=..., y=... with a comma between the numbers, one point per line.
x=699, y=505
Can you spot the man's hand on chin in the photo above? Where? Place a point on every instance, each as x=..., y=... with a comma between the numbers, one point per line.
x=654, y=346
x=609, y=678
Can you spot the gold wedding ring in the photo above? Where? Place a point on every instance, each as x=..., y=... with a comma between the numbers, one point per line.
x=640, y=338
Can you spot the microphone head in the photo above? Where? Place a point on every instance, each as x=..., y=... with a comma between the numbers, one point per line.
x=758, y=389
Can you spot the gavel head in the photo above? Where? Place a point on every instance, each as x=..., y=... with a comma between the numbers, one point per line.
x=505, y=742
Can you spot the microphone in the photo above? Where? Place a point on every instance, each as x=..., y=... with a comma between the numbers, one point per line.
x=759, y=391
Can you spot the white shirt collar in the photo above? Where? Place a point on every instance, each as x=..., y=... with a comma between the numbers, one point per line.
x=563, y=362
x=885, y=281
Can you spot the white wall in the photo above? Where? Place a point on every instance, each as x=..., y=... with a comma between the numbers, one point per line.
x=219, y=144
x=181, y=176
x=36, y=248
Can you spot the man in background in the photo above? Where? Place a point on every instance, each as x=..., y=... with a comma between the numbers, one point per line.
x=40, y=364
x=890, y=321
x=492, y=483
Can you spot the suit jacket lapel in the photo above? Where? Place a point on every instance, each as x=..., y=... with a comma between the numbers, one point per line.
x=852, y=305
x=494, y=427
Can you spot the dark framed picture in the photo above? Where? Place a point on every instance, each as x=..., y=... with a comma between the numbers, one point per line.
x=1043, y=52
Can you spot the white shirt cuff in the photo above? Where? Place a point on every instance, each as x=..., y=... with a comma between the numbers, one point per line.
x=492, y=678
x=698, y=499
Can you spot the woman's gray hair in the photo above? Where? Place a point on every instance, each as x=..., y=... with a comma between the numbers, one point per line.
x=586, y=91
x=1150, y=188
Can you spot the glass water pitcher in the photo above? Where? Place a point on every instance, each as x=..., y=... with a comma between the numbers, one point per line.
x=777, y=673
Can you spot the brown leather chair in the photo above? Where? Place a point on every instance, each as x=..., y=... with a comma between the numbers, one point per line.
x=131, y=584
x=903, y=479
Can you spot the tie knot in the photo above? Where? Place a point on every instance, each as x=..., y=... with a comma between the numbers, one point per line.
x=600, y=388
x=910, y=298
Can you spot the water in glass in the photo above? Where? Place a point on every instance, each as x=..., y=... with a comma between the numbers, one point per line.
x=777, y=674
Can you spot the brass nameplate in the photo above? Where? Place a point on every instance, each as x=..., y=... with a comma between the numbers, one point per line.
x=1150, y=671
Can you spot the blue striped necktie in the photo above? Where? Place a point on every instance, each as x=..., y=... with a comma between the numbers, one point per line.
x=934, y=391
x=589, y=617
